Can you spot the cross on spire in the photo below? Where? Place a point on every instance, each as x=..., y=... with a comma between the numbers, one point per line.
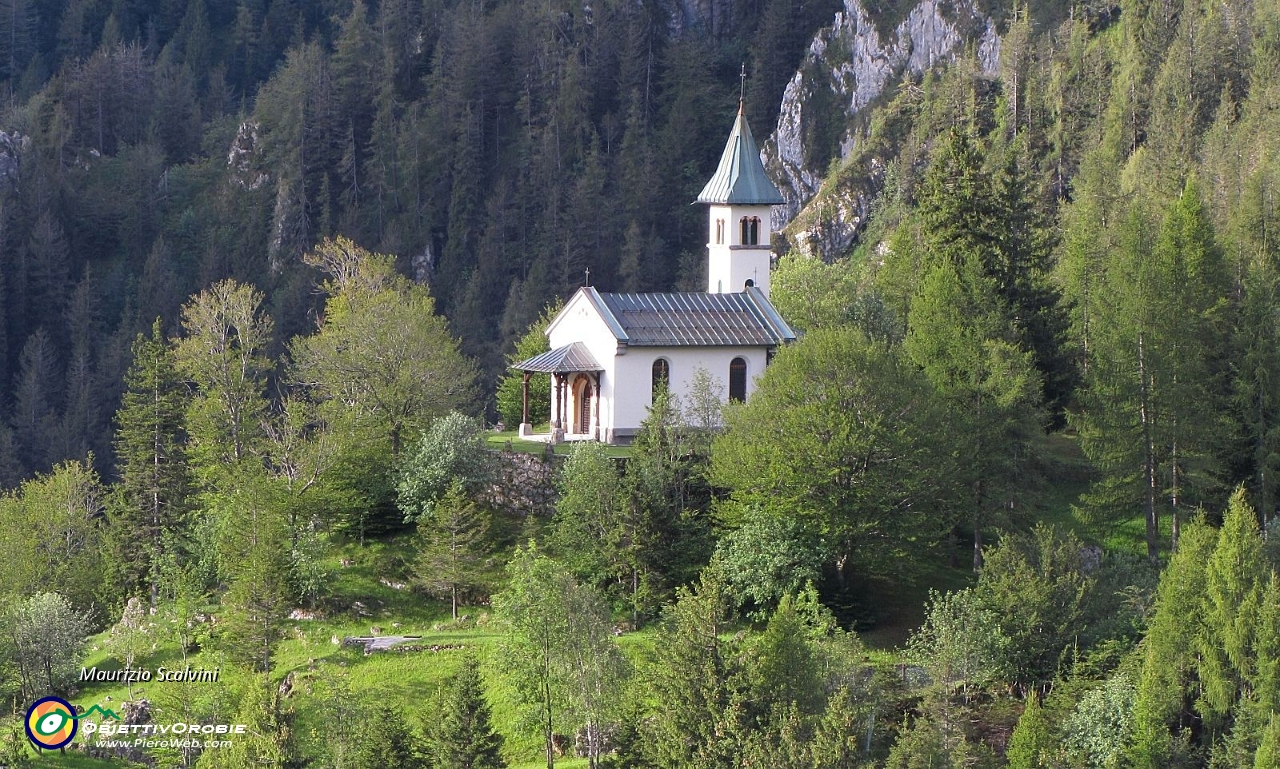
x=586, y=281
x=742, y=91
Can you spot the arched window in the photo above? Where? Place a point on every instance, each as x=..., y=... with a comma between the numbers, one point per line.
x=738, y=380
x=746, y=231
x=661, y=375
x=750, y=230
x=719, y=232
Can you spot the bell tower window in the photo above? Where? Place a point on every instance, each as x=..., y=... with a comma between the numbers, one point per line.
x=750, y=230
x=719, y=232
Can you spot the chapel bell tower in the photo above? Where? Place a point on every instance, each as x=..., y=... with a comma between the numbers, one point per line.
x=740, y=196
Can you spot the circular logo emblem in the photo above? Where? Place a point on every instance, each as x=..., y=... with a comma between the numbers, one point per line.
x=51, y=722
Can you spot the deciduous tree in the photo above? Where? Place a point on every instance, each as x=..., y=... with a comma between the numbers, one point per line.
x=223, y=351
x=836, y=435
x=46, y=635
x=560, y=651
x=451, y=452
x=511, y=386
x=381, y=351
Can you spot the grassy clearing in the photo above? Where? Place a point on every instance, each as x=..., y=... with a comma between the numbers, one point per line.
x=511, y=440
x=900, y=605
x=326, y=679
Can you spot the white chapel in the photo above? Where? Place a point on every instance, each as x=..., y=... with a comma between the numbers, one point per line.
x=611, y=352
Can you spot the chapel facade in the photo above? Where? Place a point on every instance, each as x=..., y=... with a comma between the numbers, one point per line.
x=611, y=353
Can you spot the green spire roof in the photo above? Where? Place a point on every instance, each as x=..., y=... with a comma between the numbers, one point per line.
x=740, y=179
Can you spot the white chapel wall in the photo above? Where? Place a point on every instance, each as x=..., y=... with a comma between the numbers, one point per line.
x=634, y=379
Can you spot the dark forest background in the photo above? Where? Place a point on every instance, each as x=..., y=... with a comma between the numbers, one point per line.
x=497, y=149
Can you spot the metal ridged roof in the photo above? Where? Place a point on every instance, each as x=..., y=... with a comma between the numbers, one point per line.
x=740, y=178
x=743, y=319
x=562, y=360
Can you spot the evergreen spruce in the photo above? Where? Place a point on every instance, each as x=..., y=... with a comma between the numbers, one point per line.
x=1032, y=738
x=154, y=480
x=451, y=546
x=387, y=742
x=463, y=736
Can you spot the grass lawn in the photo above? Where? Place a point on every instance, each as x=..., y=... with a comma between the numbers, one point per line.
x=511, y=439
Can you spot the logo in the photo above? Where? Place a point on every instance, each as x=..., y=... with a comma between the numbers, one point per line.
x=51, y=723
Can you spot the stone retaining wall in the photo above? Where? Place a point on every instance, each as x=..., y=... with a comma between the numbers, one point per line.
x=524, y=484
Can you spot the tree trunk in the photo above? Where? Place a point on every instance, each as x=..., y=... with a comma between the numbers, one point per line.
x=977, y=527
x=977, y=545
x=547, y=731
x=1151, y=490
x=1173, y=543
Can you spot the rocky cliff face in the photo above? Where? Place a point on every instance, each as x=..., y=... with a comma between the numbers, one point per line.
x=849, y=65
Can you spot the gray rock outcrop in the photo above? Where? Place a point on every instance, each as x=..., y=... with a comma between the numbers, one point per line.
x=243, y=160
x=11, y=148
x=854, y=64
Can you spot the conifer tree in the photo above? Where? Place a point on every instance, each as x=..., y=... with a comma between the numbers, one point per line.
x=1234, y=585
x=1152, y=416
x=253, y=560
x=1169, y=662
x=451, y=545
x=386, y=742
x=151, y=458
x=35, y=388
x=1255, y=398
x=589, y=514
x=990, y=388
x=1031, y=739
x=785, y=673
x=266, y=742
x=695, y=677
x=1268, y=753
x=1264, y=678
x=19, y=30
x=463, y=736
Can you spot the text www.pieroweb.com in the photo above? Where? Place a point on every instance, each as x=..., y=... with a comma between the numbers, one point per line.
x=171, y=742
